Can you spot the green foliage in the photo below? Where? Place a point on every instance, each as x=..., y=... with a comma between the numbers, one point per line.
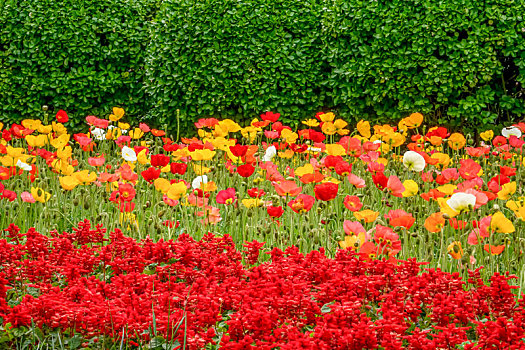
x=237, y=58
x=461, y=60
x=81, y=56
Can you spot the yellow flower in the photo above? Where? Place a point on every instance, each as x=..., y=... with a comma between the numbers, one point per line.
x=200, y=170
x=289, y=136
x=447, y=189
x=335, y=150
x=311, y=123
x=363, y=127
x=202, y=154
x=162, y=185
x=414, y=120
x=45, y=129
x=64, y=153
x=123, y=126
x=353, y=242
x=366, y=215
x=37, y=141
x=117, y=114
x=230, y=125
x=69, y=182
x=286, y=154
x=340, y=126
x=40, y=195
x=252, y=202
x=518, y=207
x=328, y=128
x=136, y=133
x=443, y=158
x=177, y=190
x=487, y=135
x=60, y=141
x=250, y=133
x=507, y=190
x=33, y=124
x=85, y=176
x=59, y=128
x=500, y=224
x=142, y=157
x=395, y=139
x=327, y=117
x=305, y=169
x=411, y=188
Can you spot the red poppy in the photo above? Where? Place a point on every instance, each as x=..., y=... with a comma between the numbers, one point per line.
x=387, y=240
x=326, y=191
x=156, y=132
x=245, y=170
x=239, y=150
x=275, y=212
x=160, y=160
x=62, y=116
x=309, y=178
x=270, y=116
x=352, y=203
x=178, y=168
x=256, y=192
x=343, y=168
x=150, y=174
x=499, y=141
x=469, y=169
x=507, y=171
x=126, y=192
x=302, y=204
x=9, y=195
x=331, y=161
x=226, y=196
x=380, y=180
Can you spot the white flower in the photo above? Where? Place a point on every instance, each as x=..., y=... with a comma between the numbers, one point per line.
x=462, y=202
x=129, y=154
x=414, y=161
x=98, y=133
x=270, y=153
x=314, y=149
x=196, y=183
x=511, y=130
x=23, y=166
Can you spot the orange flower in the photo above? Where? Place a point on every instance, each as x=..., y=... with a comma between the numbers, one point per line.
x=454, y=250
x=435, y=222
x=156, y=132
x=494, y=249
x=456, y=141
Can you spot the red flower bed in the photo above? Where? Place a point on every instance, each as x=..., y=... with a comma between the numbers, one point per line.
x=118, y=287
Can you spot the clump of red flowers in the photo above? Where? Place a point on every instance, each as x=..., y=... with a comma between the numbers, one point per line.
x=95, y=286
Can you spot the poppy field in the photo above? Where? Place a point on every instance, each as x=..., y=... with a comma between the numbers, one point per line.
x=327, y=235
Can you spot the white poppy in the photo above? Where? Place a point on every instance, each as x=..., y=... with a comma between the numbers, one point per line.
x=511, y=130
x=196, y=183
x=129, y=154
x=98, y=133
x=269, y=154
x=462, y=202
x=23, y=166
x=414, y=161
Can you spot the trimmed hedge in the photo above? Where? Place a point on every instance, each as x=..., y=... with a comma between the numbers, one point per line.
x=461, y=61
x=230, y=57
x=81, y=56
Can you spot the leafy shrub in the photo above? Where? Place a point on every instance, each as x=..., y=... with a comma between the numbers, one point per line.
x=226, y=57
x=461, y=60
x=80, y=56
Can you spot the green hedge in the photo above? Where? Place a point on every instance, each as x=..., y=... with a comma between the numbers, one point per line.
x=237, y=58
x=80, y=56
x=461, y=62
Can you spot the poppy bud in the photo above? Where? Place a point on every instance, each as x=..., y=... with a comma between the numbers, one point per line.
x=495, y=207
x=45, y=108
x=413, y=234
x=86, y=205
x=446, y=216
x=75, y=202
x=161, y=213
x=148, y=204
